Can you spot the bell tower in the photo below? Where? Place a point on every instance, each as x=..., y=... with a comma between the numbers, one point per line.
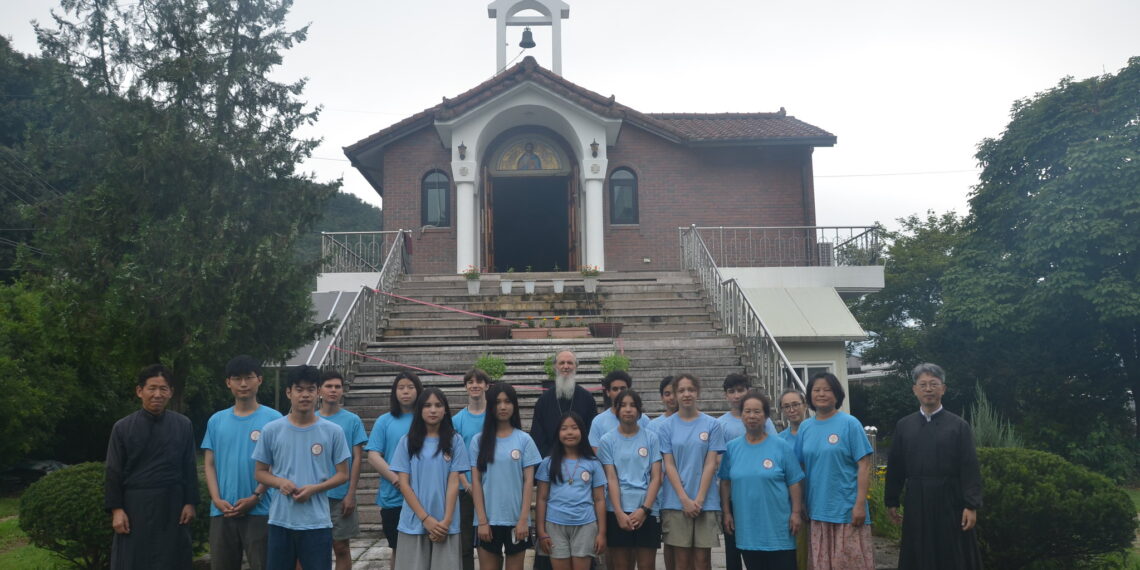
x=553, y=12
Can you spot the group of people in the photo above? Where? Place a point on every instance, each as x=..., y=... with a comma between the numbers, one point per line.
x=615, y=483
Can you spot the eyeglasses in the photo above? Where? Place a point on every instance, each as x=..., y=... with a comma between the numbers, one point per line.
x=791, y=406
x=929, y=386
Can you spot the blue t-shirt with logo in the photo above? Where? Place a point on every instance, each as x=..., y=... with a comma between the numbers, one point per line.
x=633, y=458
x=689, y=442
x=606, y=422
x=385, y=436
x=305, y=456
x=733, y=426
x=761, y=506
x=428, y=472
x=503, y=481
x=830, y=451
x=571, y=501
x=354, y=434
x=232, y=438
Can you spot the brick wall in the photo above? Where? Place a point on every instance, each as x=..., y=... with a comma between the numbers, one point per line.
x=677, y=186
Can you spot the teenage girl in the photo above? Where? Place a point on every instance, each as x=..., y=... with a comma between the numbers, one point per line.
x=430, y=459
x=690, y=444
x=631, y=457
x=502, y=481
x=386, y=433
x=571, y=505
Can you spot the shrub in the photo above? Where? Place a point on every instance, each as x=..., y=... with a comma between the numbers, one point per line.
x=881, y=523
x=1041, y=511
x=494, y=366
x=63, y=513
x=614, y=362
x=990, y=428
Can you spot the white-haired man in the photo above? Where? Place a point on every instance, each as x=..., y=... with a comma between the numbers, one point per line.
x=565, y=395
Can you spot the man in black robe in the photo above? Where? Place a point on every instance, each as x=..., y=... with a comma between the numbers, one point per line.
x=933, y=457
x=152, y=481
x=562, y=396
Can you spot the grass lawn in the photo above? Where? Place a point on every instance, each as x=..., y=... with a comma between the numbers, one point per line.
x=15, y=552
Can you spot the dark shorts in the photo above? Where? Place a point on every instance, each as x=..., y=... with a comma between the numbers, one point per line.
x=769, y=559
x=389, y=520
x=648, y=536
x=502, y=541
x=287, y=547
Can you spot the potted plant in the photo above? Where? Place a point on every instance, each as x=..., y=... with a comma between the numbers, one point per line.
x=506, y=282
x=569, y=331
x=529, y=331
x=590, y=275
x=471, y=274
x=614, y=362
x=528, y=282
x=493, y=330
x=494, y=366
x=559, y=284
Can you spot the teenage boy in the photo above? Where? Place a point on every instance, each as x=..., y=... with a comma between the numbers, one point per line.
x=607, y=421
x=468, y=422
x=342, y=499
x=736, y=386
x=303, y=457
x=239, y=516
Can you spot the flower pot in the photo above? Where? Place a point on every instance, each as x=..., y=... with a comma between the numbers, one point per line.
x=606, y=330
x=505, y=286
x=493, y=332
x=530, y=333
x=473, y=286
x=591, y=284
x=528, y=286
x=569, y=332
x=559, y=285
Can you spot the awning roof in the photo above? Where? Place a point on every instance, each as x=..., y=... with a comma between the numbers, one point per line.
x=804, y=313
x=326, y=305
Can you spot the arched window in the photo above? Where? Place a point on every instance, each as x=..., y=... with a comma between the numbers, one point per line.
x=623, y=197
x=435, y=200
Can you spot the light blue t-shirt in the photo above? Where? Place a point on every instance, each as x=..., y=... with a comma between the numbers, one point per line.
x=232, y=439
x=503, y=481
x=606, y=422
x=386, y=434
x=830, y=451
x=633, y=458
x=689, y=442
x=733, y=426
x=354, y=434
x=761, y=474
x=655, y=425
x=571, y=501
x=428, y=472
x=787, y=436
x=467, y=425
x=306, y=456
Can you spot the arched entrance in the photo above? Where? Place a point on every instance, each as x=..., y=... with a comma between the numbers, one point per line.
x=530, y=197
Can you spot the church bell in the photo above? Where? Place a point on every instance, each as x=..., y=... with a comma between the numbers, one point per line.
x=527, y=39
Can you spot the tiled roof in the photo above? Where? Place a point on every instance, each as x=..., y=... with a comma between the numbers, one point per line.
x=683, y=128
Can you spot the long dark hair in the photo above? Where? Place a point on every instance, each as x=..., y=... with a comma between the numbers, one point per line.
x=418, y=431
x=394, y=407
x=489, y=439
x=558, y=450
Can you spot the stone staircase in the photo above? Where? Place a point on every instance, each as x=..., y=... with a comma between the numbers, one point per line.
x=668, y=328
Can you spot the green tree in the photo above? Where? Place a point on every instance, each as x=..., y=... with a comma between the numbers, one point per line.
x=1050, y=261
x=175, y=239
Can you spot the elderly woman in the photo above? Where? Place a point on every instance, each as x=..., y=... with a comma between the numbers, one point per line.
x=760, y=491
x=837, y=459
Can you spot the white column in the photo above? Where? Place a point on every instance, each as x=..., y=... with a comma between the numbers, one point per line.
x=466, y=239
x=595, y=170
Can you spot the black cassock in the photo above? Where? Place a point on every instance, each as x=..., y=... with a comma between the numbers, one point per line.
x=548, y=412
x=937, y=464
x=151, y=474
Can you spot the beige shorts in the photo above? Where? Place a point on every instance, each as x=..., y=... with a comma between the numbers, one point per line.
x=681, y=531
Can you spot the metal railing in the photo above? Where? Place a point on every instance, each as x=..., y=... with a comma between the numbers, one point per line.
x=355, y=252
x=764, y=356
x=367, y=311
x=793, y=246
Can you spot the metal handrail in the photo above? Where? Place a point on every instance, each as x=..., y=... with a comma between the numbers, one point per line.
x=792, y=246
x=362, y=321
x=355, y=252
x=764, y=356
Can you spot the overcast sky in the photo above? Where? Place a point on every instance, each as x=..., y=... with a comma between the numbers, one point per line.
x=909, y=87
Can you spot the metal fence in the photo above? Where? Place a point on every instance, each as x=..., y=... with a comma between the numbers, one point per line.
x=355, y=252
x=364, y=316
x=764, y=356
x=793, y=246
